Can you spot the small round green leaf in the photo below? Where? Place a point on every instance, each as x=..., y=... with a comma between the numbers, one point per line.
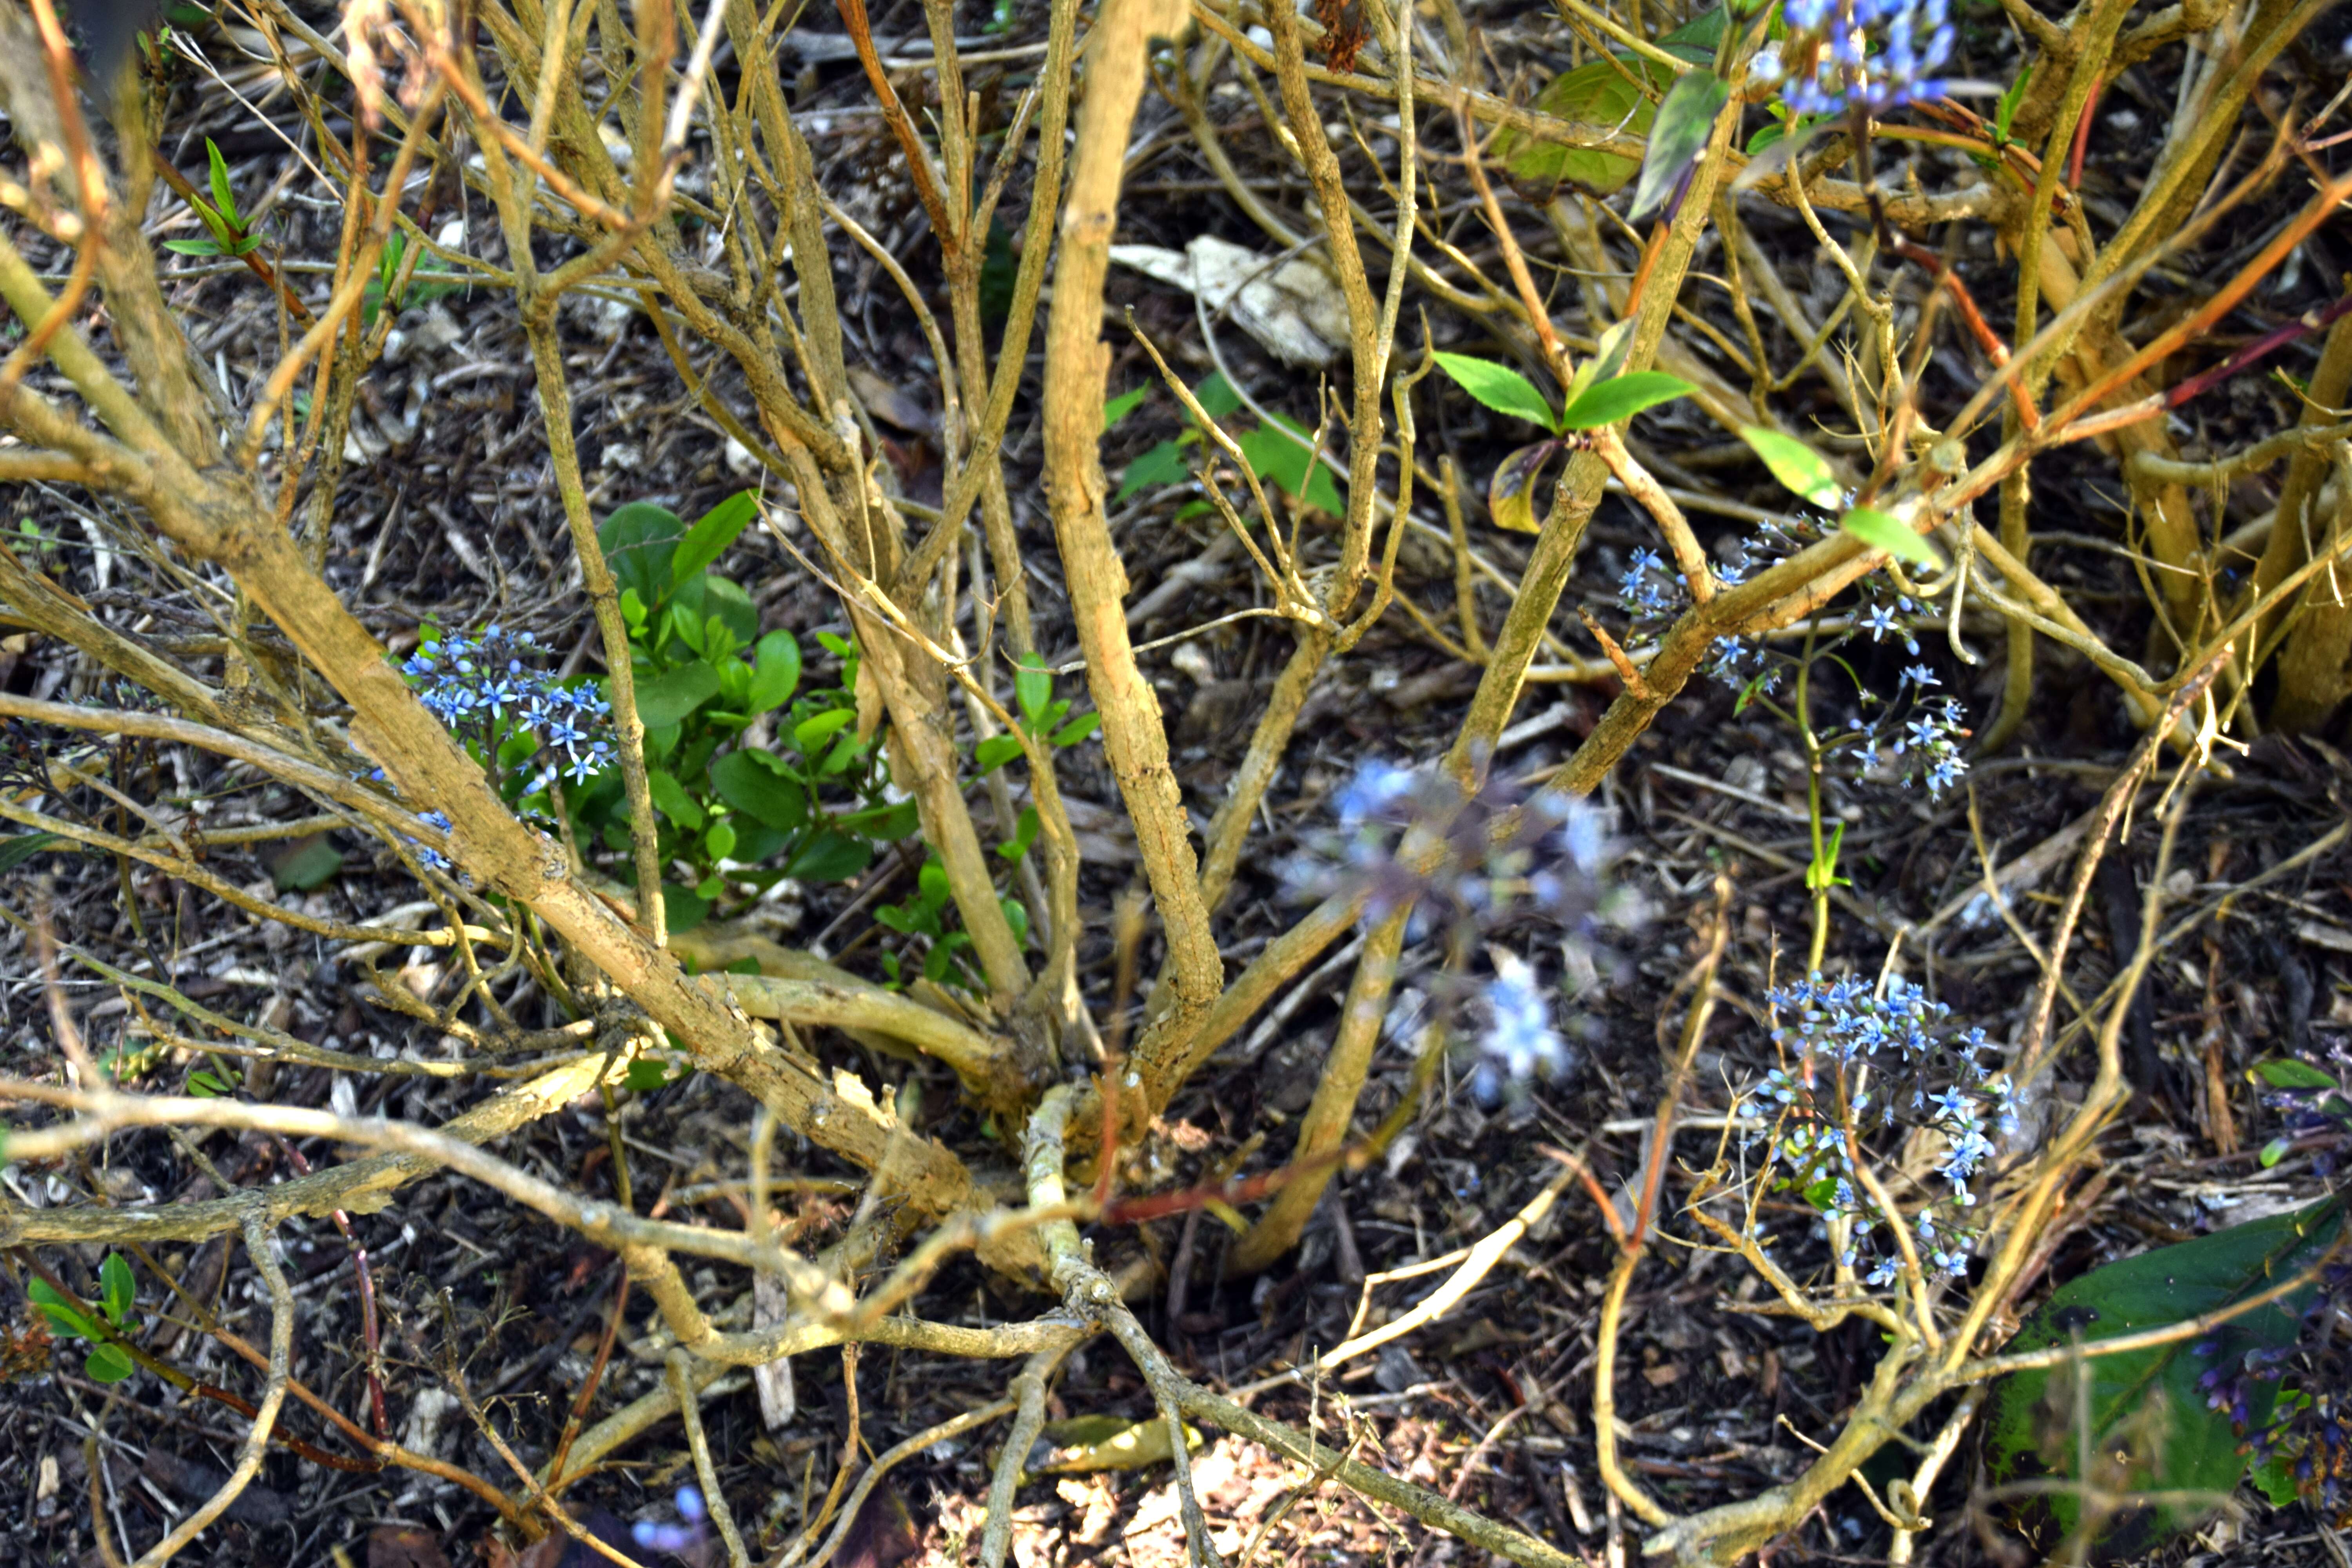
x=108, y=1364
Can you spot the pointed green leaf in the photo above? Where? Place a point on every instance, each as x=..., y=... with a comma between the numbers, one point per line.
x=1161, y=465
x=118, y=1287
x=1608, y=358
x=1498, y=386
x=1622, y=396
x=223, y=193
x=63, y=1315
x=1125, y=403
x=1216, y=395
x=1278, y=453
x=2288, y=1073
x=18, y=847
x=1881, y=531
x=709, y=538
x=1796, y=465
x=1677, y=137
x=1032, y=686
x=1078, y=729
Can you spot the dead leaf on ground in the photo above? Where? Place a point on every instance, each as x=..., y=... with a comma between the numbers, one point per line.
x=405, y=1546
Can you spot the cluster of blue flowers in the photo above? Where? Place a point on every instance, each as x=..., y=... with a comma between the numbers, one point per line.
x=1409, y=837
x=488, y=689
x=1833, y=1027
x=654, y=1535
x=1833, y=67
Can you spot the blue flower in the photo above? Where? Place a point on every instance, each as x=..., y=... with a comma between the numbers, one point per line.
x=1520, y=1037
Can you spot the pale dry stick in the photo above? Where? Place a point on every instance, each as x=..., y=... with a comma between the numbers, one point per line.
x=91, y=191
x=1324, y=1127
x=1004, y=1481
x=1690, y=560
x=1078, y=364
x=1475, y=1262
x=889, y=1458
x=1945, y=1443
x=1701, y=979
x=100, y=1112
x=259, y=1240
x=337, y=787
x=689, y=1410
x=1485, y=107
x=197, y=876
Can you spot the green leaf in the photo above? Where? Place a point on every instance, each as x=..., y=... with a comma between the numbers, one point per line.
x=1622, y=396
x=1024, y=834
x=709, y=538
x=708, y=597
x=62, y=1314
x=639, y=541
x=645, y=1075
x=1796, y=465
x=2275, y=1150
x=2005, y=109
x=223, y=193
x=205, y=1084
x=1511, y=493
x=669, y=697
x=684, y=908
x=747, y=783
x=775, y=674
x=1765, y=136
x=2146, y=1404
x=1216, y=395
x=1881, y=531
x=306, y=866
x=811, y=734
x=2285, y=1072
x=1685, y=120
x=118, y=1287
x=1032, y=686
x=194, y=248
x=831, y=856
x=1281, y=455
x=719, y=844
x=1596, y=99
x=18, y=847
x=108, y=1364
x=1162, y=464
x=1498, y=386
x=671, y=796
x=1077, y=728
x=995, y=751
x=1125, y=403
x=1607, y=359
